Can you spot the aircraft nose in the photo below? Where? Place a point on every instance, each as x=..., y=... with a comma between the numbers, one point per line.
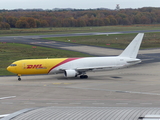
x=9, y=68
x=12, y=68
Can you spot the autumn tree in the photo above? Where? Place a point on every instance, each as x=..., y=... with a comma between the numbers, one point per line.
x=145, y=20
x=113, y=20
x=31, y=22
x=1, y=19
x=22, y=24
x=44, y=23
x=11, y=21
x=106, y=21
x=4, y=26
x=38, y=23
x=79, y=18
x=81, y=23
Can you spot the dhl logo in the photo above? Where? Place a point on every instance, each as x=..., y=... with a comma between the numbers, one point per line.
x=39, y=66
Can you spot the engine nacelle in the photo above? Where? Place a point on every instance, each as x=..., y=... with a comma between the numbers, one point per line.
x=70, y=73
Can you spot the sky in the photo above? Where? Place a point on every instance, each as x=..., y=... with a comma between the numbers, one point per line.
x=77, y=4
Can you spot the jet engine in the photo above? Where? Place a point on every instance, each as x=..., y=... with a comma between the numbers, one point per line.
x=70, y=73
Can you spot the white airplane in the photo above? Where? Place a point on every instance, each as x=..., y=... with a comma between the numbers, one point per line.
x=73, y=67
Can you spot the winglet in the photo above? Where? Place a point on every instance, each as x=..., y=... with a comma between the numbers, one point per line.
x=132, y=49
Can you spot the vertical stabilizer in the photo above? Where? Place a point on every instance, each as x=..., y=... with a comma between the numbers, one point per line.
x=132, y=49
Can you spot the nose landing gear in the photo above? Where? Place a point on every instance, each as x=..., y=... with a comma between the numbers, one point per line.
x=19, y=77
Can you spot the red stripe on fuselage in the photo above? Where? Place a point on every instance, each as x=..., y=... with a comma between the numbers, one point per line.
x=63, y=62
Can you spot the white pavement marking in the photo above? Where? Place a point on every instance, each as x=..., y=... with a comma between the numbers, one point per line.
x=5, y=115
x=122, y=103
x=118, y=91
x=146, y=103
x=74, y=103
x=49, y=103
x=7, y=97
x=29, y=103
x=7, y=103
x=52, y=103
x=56, y=103
x=98, y=103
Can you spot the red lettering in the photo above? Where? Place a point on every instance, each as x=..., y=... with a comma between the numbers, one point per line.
x=29, y=66
x=40, y=66
x=34, y=66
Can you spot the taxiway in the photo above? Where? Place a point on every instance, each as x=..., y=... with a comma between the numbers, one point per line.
x=137, y=86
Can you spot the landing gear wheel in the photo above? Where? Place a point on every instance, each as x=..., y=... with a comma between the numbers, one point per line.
x=19, y=78
x=83, y=76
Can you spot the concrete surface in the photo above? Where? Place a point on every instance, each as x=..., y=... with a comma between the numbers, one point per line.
x=137, y=86
x=133, y=87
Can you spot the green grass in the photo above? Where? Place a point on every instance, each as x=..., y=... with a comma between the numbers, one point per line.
x=151, y=40
x=65, y=30
x=10, y=52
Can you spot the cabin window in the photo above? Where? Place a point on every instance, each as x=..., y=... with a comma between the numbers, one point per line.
x=13, y=65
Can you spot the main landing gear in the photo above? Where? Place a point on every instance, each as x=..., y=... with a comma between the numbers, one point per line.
x=83, y=76
x=19, y=77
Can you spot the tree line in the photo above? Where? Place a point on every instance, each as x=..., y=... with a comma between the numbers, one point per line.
x=78, y=18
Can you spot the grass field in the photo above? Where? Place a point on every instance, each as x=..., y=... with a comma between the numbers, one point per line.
x=11, y=52
x=64, y=30
x=151, y=40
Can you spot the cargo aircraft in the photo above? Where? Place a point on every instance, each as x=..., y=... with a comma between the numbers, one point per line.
x=74, y=67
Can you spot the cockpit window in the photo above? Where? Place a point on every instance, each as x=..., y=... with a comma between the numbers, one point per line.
x=13, y=65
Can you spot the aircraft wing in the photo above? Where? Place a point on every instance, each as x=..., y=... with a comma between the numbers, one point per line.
x=96, y=68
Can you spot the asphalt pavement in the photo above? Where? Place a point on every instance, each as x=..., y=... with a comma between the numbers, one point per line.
x=137, y=86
